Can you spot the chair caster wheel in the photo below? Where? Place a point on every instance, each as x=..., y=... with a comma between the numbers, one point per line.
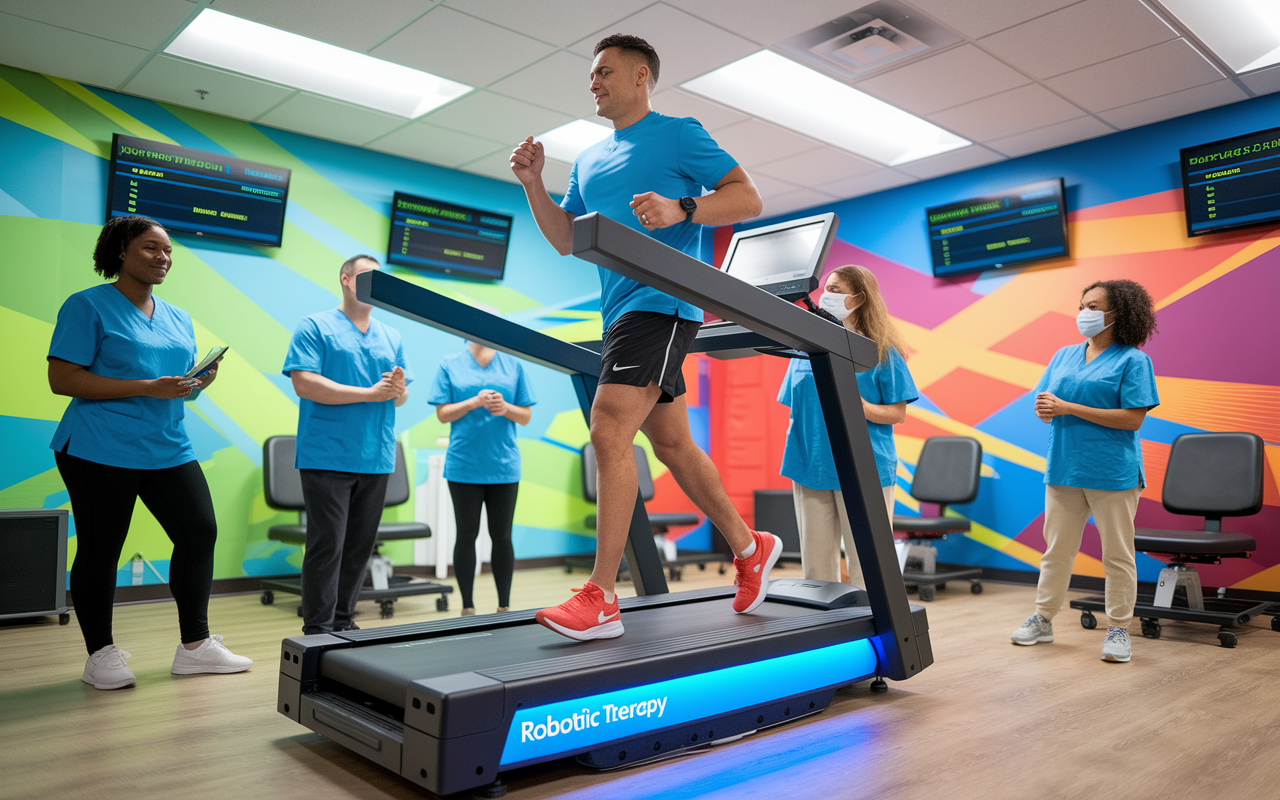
x=1226, y=638
x=64, y=618
x=387, y=609
x=927, y=593
x=1150, y=629
x=442, y=603
x=1275, y=623
x=1088, y=621
x=878, y=686
x=268, y=597
x=975, y=587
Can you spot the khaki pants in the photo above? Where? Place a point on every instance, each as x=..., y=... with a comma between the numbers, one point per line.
x=1066, y=510
x=823, y=522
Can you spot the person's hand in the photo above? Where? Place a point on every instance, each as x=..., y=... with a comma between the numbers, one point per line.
x=527, y=161
x=655, y=211
x=383, y=390
x=171, y=388
x=1049, y=406
x=396, y=376
x=495, y=403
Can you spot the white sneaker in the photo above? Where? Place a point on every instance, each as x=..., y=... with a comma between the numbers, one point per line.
x=1116, y=646
x=106, y=669
x=1035, y=629
x=211, y=656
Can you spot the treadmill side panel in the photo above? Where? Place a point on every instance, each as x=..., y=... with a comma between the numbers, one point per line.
x=455, y=705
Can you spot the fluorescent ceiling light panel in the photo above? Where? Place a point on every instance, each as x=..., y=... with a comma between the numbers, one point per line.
x=779, y=90
x=282, y=57
x=1243, y=33
x=567, y=141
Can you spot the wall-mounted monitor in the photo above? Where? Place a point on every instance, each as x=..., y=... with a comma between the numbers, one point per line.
x=1017, y=226
x=1232, y=183
x=192, y=191
x=785, y=259
x=443, y=237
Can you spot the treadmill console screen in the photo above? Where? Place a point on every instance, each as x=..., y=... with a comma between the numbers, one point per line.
x=784, y=259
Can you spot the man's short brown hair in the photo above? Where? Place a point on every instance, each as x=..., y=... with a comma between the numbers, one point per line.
x=633, y=44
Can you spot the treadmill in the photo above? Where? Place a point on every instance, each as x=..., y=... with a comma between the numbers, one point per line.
x=452, y=704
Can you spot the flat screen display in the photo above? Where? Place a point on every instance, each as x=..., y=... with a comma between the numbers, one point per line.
x=443, y=237
x=784, y=259
x=1018, y=226
x=193, y=191
x=1233, y=183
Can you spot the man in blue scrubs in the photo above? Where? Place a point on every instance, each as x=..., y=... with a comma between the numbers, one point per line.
x=649, y=174
x=351, y=373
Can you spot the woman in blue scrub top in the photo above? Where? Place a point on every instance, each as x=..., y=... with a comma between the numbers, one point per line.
x=120, y=353
x=852, y=295
x=484, y=394
x=1095, y=396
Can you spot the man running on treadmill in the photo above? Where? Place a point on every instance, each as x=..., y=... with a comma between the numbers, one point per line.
x=649, y=174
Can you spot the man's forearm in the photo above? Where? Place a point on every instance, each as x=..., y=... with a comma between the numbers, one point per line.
x=317, y=388
x=554, y=222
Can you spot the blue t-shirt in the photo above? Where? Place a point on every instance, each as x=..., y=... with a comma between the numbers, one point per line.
x=671, y=156
x=807, y=458
x=1086, y=454
x=482, y=447
x=352, y=437
x=103, y=330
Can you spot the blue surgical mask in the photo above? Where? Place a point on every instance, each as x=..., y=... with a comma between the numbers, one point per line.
x=833, y=304
x=1090, y=322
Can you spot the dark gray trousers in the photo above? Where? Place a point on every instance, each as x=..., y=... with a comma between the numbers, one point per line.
x=343, y=511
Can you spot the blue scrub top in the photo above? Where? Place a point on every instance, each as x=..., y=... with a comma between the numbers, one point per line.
x=102, y=330
x=352, y=437
x=671, y=156
x=482, y=447
x=1086, y=454
x=807, y=458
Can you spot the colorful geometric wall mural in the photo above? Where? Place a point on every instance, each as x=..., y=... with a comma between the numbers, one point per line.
x=981, y=343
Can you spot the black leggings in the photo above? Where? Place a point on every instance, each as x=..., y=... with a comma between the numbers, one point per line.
x=499, y=500
x=102, y=501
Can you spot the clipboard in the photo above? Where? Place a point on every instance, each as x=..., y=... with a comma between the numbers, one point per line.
x=206, y=363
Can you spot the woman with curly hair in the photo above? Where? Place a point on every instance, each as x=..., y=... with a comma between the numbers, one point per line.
x=121, y=353
x=1095, y=397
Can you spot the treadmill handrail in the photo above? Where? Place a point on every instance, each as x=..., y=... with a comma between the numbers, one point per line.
x=420, y=304
x=614, y=246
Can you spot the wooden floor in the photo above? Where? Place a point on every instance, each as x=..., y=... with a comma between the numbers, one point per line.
x=1185, y=719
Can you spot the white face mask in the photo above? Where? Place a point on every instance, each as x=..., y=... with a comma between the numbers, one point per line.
x=833, y=304
x=1090, y=322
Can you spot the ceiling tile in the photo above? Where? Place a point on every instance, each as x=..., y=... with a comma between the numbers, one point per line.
x=1007, y=113
x=976, y=18
x=1050, y=136
x=558, y=81
x=1264, y=81
x=766, y=21
x=712, y=115
x=1176, y=104
x=561, y=23
x=355, y=26
x=955, y=161
x=795, y=201
x=330, y=119
x=865, y=184
x=687, y=46
x=423, y=142
x=141, y=23
x=948, y=79
x=462, y=48
x=1153, y=72
x=66, y=54
x=821, y=165
x=757, y=142
x=500, y=119
x=555, y=174
x=1075, y=37
x=176, y=81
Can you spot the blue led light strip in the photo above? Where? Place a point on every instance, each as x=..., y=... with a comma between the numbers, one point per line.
x=573, y=726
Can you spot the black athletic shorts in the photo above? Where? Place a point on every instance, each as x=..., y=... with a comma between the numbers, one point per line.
x=645, y=347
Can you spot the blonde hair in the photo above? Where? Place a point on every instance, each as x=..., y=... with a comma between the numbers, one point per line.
x=874, y=321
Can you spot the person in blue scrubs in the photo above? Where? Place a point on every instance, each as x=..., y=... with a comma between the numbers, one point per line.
x=350, y=373
x=650, y=174
x=852, y=295
x=483, y=394
x=121, y=353
x=1095, y=396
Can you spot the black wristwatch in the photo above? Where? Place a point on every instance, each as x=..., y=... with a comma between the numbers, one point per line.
x=689, y=205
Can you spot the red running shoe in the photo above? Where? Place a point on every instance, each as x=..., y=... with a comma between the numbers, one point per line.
x=753, y=572
x=584, y=616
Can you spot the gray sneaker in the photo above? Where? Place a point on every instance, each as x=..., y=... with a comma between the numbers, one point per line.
x=1035, y=630
x=1117, y=647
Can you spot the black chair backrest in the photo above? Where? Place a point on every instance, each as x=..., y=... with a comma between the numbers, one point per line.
x=282, y=484
x=948, y=471
x=1214, y=475
x=589, y=473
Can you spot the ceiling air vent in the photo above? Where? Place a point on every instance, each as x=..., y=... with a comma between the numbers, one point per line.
x=869, y=39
